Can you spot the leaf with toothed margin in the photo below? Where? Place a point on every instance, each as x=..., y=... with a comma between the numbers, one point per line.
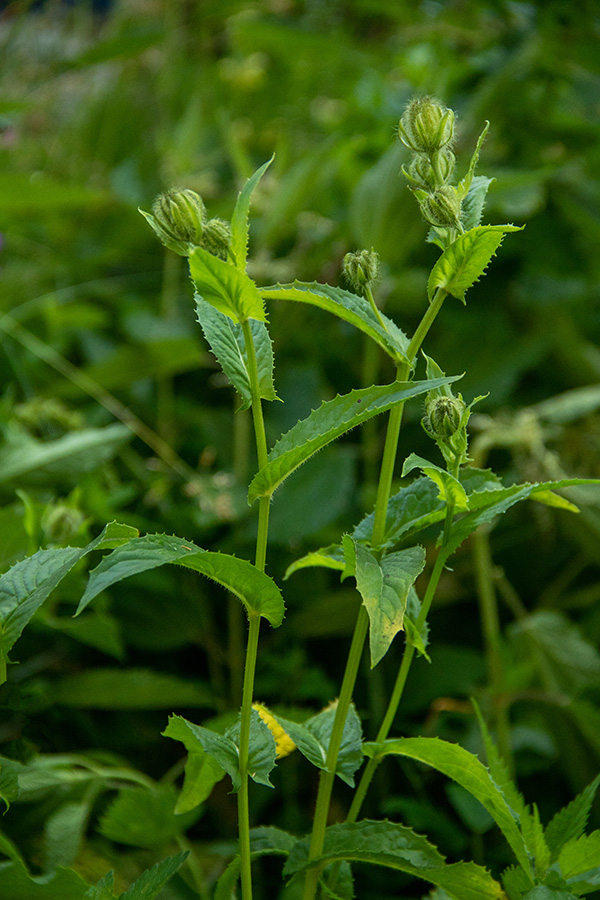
x=466, y=259
x=328, y=422
x=239, y=219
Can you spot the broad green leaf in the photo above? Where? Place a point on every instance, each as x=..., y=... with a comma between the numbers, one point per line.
x=226, y=340
x=261, y=748
x=17, y=884
x=466, y=259
x=257, y=592
x=312, y=739
x=202, y=771
x=384, y=589
x=472, y=205
x=265, y=841
x=345, y=305
x=9, y=780
x=464, y=768
x=220, y=747
x=129, y=689
x=239, y=219
x=486, y=505
x=144, y=817
x=396, y=847
x=579, y=860
x=225, y=287
x=151, y=882
x=548, y=892
x=569, y=823
x=26, y=586
x=26, y=459
x=328, y=422
x=331, y=557
x=103, y=890
x=450, y=488
x=64, y=831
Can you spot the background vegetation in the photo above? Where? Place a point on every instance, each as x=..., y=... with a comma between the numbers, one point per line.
x=112, y=408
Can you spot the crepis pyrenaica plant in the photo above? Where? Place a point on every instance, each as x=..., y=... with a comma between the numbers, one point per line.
x=558, y=860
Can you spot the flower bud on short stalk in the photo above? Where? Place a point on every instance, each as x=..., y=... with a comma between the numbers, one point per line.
x=443, y=416
x=217, y=237
x=430, y=173
x=426, y=125
x=441, y=207
x=361, y=269
x=180, y=217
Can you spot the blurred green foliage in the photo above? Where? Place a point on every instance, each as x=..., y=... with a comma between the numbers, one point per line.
x=112, y=408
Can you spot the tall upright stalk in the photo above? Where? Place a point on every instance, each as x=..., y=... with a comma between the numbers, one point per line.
x=254, y=626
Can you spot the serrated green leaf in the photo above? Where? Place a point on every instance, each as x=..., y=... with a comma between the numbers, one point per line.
x=264, y=841
x=64, y=830
x=328, y=422
x=225, y=287
x=384, y=589
x=261, y=748
x=103, y=890
x=151, y=882
x=463, y=767
x=331, y=557
x=226, y=340
x=450, y=488
x=144, y=817
x=27, y=584
x=202, y=771
x=133, y=688
x=486, y=505
x=345, y=305
x=579, y=859
x=313, y=736
x=498, y=770
x=239, y=219
x=466, y=259
x=258, y=593
x=396, y=847
x=473, y=203
x=569, y=822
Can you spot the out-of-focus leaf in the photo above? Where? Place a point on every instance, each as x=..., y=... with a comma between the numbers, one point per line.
x=144, y=817
x=129, y=689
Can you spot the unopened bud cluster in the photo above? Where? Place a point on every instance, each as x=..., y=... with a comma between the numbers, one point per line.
x=180, y=220
x=361, y=269
x=445, y=420
x=427, y=128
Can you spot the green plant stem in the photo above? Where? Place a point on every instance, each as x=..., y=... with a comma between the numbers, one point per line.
x=254, y=626
x=490, y=623
x=327, y=776
x=328, y=773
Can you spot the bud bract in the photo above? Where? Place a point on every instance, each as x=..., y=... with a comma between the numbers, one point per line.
x=360, y=269
x=426, y=126
x=441, y=207
x=424, y=175
x=217, y=237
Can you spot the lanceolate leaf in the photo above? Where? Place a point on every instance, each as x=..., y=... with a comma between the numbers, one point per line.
x=396, y=847
x=327, y=423
x=226, y=341
x=486, y=505
x=464, y=768
x=226, y=288
x=569, y=822
x=384, y=589
x=466, y=259
x=24, y=588
x=239, y=219
x=347, y=306
x=258, y=593
x=151, y=882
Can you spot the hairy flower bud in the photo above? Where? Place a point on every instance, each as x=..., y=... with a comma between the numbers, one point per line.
x=360, y=269
x=181, y=216
x=217, y=237
x=443, y=416
x=427, y=173
x=441, y=207
x=426, y=126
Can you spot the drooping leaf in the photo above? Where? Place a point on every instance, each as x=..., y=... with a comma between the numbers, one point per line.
x=569, y=822
x=132, y=688
x=257, y=592
x=313, y=736
x=261, y=748
x=17, y=884
x=27, y=584
x=464, y=768
x=202, y=769
x=396, y=847
x=384, y=588
x=226, y=340
x=466, y=259
x=450, y=488
x=331, y=557
x=225, y=287
x=239, y=219
x=144, y=817
x=347, y=306
x=66, y=458
x=325, y=424
x=151, y=882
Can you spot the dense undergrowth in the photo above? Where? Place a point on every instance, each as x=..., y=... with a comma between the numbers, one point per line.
x=113, y=408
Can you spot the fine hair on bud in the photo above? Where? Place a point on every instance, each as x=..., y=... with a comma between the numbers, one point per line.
x=426, y=126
